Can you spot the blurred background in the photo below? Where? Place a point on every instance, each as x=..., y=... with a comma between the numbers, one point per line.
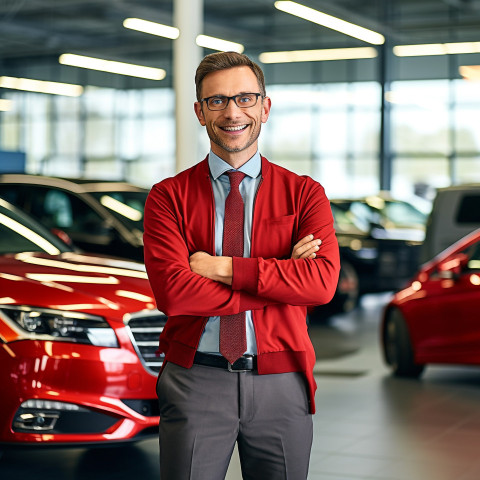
x=387, y=117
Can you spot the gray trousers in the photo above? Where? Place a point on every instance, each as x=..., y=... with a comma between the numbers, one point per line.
x=205, y=410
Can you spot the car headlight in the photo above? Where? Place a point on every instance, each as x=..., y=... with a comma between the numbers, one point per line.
x=49, y=324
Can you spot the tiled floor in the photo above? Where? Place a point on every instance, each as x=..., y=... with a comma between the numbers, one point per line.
x=374, y=426
x=368, y=426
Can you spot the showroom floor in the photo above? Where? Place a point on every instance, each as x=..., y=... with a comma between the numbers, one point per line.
x=368, y=425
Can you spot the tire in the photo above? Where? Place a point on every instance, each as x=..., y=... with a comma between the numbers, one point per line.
x=398, y=348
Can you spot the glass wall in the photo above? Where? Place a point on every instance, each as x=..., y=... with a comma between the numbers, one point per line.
x=105, y=133
x=330, y=131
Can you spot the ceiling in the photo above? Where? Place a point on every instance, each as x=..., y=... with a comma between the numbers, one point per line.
x=36, y=31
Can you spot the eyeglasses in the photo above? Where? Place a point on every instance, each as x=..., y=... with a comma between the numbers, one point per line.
x=220, y=102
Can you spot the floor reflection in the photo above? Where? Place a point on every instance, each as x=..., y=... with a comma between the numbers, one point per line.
x=106, y=463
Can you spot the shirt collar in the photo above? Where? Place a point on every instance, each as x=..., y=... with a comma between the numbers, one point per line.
x=218, y=167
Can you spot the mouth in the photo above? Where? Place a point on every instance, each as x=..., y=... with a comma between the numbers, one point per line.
x=234, y=128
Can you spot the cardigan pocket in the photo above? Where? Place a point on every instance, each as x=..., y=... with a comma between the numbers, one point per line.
x=276, y=237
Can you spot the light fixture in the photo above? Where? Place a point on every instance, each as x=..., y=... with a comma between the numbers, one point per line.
x=342, y=26
x=5, y=105
x=152, y=28
x=173, y=33
x=436, y=49
x=112, y=66
x=470, y=72
x=318, y=55
x=219, y=44
x=40, y=86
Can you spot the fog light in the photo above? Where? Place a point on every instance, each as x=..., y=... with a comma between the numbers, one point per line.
x=37, y=415
x=37, y=421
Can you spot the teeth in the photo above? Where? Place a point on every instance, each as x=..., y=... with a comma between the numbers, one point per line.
x=234, y=129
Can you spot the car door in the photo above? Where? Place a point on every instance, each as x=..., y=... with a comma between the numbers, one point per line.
x=452, y=303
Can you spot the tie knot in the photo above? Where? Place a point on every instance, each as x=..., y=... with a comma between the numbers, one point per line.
x=235, y=178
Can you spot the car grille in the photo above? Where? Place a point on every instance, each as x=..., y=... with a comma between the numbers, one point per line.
x=144, y=329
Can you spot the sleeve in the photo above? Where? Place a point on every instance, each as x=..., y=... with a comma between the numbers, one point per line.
x=177, y=290
x=302, y=282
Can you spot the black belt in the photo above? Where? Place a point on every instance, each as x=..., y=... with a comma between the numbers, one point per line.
x=247, y=363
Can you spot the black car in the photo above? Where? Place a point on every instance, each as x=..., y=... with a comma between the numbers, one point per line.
x=388, y=217
x=98, y=216
x=380, y=239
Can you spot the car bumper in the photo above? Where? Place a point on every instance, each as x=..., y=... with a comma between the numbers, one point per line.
x=60, y=393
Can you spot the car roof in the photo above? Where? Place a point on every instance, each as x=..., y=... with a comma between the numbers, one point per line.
x=460, y=188
x=78, y=185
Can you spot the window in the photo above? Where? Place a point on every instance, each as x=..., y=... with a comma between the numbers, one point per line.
x=469, y=210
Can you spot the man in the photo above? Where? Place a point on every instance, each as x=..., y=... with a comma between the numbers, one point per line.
x=238, y=360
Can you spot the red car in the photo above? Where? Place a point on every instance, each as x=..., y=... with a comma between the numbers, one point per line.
x=78, y=335
x=436, y=318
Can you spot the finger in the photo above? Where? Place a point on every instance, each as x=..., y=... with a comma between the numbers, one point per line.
x=303, y=241
x=301, y=251
x=310, y=253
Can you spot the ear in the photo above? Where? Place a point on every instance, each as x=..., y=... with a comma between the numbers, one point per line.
x=199, y=113
x=266, y=106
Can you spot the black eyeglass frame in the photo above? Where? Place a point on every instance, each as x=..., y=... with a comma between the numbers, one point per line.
x=234, y=98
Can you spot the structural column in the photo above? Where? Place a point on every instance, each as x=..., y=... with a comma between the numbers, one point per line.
x=188, y=18
x=385, y=159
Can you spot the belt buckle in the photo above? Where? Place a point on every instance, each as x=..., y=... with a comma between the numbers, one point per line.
x=240, y=370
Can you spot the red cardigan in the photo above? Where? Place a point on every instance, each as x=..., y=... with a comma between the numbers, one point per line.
x=179, y=220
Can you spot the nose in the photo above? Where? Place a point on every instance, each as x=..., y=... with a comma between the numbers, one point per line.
x=232, y=110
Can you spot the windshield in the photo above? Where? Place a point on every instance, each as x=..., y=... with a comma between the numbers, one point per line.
x=347, y=221
x=388, y=213
x=403, y=214
x=20, y=234
x=125, y=206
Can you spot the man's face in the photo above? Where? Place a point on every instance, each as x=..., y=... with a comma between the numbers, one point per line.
x=234, y=131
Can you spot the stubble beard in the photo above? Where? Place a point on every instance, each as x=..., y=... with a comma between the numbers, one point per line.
x=218, y=141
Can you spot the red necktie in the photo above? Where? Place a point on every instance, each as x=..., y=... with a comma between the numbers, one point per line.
x=233, y=340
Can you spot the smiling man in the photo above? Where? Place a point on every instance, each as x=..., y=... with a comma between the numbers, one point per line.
x=236, y=249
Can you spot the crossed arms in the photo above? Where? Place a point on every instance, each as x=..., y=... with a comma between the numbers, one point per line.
x=220, y=268
x=202, y=285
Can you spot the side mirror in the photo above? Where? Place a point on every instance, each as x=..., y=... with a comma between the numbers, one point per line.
x=63, y=236
x=453, y=266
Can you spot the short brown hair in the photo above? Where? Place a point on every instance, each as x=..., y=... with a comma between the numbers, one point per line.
x=223, y=61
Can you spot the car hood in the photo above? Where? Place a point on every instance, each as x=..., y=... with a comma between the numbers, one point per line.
x=70, y=281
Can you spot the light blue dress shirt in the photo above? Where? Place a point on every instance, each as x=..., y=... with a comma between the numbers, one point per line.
x=209, y=343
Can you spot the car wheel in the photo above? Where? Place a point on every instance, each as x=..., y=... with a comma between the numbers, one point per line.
x=398, y=347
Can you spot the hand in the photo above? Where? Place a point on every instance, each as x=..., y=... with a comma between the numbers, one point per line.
x=214, y=268
x=306, y=247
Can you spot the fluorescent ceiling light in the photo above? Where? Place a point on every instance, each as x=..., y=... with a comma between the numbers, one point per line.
x=436, y=49
x=329, y=21
x=468, y=72
x=112, y=67
x=40, y=86
x=151, y=27
x=5, y=105
x=219, y=44
x=318, y=55
x=173, y=33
